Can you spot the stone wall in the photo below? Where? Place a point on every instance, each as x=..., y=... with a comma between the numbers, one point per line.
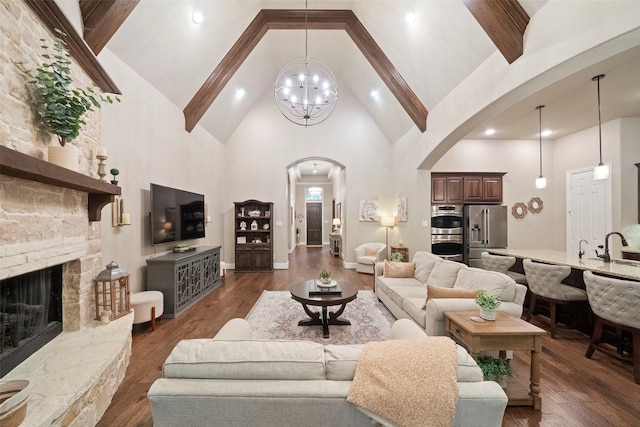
x=43, y=225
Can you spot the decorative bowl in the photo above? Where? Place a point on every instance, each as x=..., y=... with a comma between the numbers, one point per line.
x=13, y=401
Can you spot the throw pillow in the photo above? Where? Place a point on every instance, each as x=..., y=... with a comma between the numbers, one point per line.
x=398, y=269
x=434, y=292
x=370, y=251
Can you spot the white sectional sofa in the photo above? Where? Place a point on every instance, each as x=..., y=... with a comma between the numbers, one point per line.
x=405, y=296
x=234, y=380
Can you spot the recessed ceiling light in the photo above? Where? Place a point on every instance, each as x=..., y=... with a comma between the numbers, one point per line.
x=547, y=132
x=490, y=131
x=197, y=16
x=240, y=93
x=375, y=94
x=410, y=18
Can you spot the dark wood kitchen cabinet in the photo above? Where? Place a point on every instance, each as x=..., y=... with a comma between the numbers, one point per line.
x=463, y=187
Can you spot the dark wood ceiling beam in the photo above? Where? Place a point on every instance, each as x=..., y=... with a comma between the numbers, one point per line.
x=102, y=18
x=52, y=17
x=504, y=21
x=281, y=19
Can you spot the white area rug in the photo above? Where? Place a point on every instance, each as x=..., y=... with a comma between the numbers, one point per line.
x=275, y=316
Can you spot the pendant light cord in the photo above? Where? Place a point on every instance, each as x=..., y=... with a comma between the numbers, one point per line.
x=540, y=107
x=306, y=31
x=599, y=119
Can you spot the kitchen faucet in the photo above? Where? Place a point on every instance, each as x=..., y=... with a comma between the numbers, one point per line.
x=605, y=256
x=580, y=251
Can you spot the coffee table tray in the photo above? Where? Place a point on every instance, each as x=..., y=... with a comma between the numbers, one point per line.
x=317, y=288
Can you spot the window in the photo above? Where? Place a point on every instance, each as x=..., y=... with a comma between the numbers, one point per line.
x=313, y=194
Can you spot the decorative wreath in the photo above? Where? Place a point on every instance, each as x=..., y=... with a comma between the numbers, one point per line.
x=519, y=210
x=535, y=205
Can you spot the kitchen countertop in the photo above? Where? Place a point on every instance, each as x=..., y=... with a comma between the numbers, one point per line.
x=623, y=269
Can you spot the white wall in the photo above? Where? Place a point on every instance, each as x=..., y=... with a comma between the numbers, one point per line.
x=257, y=154
x=145, y=139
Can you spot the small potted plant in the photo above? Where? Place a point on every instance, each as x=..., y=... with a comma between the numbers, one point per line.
x=488, y=305
x=61, y=108
x=495, y=369
x=325, y=275
x=397, y=256
x=115, y=172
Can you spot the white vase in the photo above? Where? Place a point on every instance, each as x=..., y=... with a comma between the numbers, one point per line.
x=487, y=314
x=66, y=156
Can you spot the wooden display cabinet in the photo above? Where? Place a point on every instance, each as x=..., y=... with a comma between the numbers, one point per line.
x=253, y=223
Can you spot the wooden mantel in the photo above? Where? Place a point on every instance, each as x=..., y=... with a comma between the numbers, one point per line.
x=19, y=165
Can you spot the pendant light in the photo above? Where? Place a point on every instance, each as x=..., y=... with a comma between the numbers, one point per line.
x=541, y=181
x=601, y=171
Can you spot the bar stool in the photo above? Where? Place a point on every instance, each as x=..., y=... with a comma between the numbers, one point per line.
x=502, y=264
x=545, y=285
x=615, y=303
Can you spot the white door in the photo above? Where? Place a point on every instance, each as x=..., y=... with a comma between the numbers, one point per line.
x=588, y=212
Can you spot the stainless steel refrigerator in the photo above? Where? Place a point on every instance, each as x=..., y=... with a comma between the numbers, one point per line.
x=485, y=227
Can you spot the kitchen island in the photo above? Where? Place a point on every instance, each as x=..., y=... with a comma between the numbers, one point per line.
x=619, y=268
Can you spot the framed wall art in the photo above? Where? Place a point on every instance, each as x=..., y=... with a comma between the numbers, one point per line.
x=368, y=211
x=402, y=214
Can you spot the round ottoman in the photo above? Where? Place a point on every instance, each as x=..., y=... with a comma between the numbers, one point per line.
x=147, y=306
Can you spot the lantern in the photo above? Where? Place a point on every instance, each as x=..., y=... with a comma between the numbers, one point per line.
x=112, y=292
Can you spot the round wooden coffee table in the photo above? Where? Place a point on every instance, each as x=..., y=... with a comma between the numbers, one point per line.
x=300, y=293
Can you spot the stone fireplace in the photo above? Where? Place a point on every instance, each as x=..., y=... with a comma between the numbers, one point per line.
x=44, y=224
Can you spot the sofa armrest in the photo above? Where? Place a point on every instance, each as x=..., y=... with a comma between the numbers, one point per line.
x=405, y=328
x=434, y=319
x=235, y=330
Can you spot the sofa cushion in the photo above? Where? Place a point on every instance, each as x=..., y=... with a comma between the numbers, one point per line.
x=399, y=293
x=445, y=273
x=246, y=360
x=496, y=284
x=414, y=308
x=384, y=283
x=440, y=292
x=424, y=262
x=341, y=361
x=399, y=269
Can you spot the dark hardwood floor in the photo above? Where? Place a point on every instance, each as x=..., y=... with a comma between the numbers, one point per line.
x=576, y=391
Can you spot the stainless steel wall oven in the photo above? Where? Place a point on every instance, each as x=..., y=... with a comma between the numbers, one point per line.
x=447, y=231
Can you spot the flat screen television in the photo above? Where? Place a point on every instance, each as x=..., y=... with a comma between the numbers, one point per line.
x=176, y=215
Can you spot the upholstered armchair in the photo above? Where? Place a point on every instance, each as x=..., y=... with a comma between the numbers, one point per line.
x=367, y=254
x=545, y=284
x=502, y=264
x=614, y=302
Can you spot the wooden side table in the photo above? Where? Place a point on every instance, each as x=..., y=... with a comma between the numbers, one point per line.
x=507, y=332
x=403, y=250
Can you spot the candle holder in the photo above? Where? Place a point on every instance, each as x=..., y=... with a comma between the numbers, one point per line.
x=102, y=172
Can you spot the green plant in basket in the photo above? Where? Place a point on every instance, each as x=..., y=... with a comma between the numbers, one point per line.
x=397, y=256
x=495, y=368
x=325, y=274
x=486, y=301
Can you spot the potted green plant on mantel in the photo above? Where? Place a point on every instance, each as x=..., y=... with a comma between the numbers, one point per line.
x=488, y=305
x=495, y=369
x=60, y=107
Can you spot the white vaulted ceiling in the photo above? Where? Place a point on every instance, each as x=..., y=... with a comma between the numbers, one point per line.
x=160, y=42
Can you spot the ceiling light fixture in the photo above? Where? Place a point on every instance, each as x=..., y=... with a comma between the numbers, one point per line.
x=541, y=181
x=489, y=131
x=197, y=16
x=601, y=171
x=315, y=169
x=240, y=92
x=410, y=17
x=375, y=94
x=306, y=91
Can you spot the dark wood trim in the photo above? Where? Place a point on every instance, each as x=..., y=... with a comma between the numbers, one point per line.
x=102, y=18
x=278, y=19
x=20, y=165
x=504, y=21
x=52, y=17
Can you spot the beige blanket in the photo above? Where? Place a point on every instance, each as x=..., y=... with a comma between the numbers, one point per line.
x=408, y=382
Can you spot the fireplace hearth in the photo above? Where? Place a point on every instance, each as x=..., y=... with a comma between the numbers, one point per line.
x=30, y=314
